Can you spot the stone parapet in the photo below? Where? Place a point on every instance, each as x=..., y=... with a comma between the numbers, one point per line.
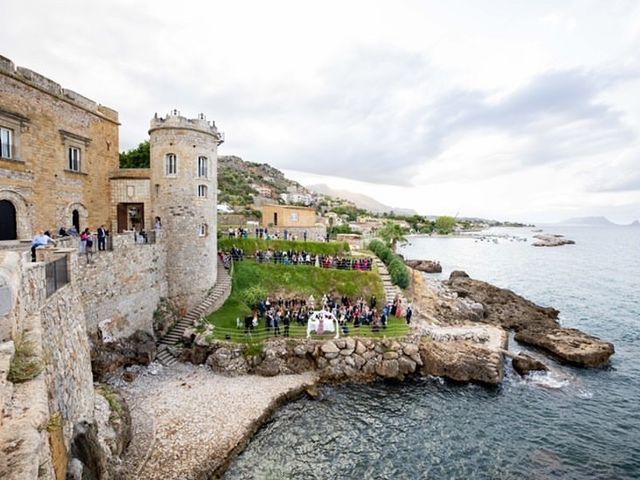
x=45, y=84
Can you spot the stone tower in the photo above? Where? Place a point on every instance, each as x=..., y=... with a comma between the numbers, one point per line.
x=184, y=158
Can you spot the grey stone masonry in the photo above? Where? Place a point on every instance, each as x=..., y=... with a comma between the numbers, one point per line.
x=184, y=157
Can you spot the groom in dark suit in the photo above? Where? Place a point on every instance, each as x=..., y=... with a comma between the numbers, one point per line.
x=102, y=237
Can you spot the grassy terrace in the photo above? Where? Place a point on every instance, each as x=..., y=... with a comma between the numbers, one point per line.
x=289, y=281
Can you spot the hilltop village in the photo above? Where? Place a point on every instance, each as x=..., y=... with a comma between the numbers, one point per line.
x=145, y=295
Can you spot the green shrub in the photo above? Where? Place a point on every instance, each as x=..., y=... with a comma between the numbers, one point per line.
x=253, y=295
x=396, y=267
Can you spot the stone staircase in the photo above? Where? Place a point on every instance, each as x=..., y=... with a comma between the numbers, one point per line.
x=390, y=290
x=212, y=302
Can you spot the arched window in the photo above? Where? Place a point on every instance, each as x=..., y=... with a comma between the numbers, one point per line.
x=8, y=230
x=203, y=167
x=202, y=191
x=202, y=230
x=171, y=164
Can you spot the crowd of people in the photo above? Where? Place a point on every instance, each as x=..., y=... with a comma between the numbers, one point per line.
x=294, y=257
x=265, y=233
x=278, y=315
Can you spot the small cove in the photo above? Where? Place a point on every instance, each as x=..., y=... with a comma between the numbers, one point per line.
x=570, y=423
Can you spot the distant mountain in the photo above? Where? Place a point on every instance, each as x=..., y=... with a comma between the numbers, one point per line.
x=590, y=221
x=635, y=223
x=360, y=200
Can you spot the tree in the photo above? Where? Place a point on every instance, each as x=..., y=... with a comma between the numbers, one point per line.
x=392, y=233
x=445, y=224
x=138, y=157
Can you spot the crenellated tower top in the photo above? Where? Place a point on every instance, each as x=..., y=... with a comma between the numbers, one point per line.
x=174, y=120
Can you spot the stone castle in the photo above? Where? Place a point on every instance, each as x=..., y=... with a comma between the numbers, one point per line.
x=59, y=167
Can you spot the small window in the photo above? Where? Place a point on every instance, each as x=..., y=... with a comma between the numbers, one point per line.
x=202, y=191
x=6, y=143
x=203, y=167
x=202, y=230
x=171, y=164
x=294, y=217
x=74, y=159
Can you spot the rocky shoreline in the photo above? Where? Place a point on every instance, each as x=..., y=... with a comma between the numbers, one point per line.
x=192, y=419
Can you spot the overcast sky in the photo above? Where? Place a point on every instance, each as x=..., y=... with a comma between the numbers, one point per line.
x=523, y=110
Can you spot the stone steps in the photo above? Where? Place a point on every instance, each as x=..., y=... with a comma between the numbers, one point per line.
x=166, y=358
x=214, y=300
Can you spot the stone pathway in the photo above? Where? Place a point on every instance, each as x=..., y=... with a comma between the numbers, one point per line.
x=189, y=420
x=390, y=290
x=212, y=302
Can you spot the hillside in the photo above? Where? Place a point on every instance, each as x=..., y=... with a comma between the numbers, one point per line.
x=360, y=200
x=237, y=178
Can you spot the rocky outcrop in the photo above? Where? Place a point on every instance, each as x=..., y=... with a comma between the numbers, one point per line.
x=461, y=360
x=569, y=344
x=438, y=304
x=139, y=348
x=551, y=241
x=426, y=266
x=502, y=307
x=533, y=324
x=523, y=364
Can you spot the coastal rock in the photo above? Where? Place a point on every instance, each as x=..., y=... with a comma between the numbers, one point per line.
x=462, y=361
x=329, y=347
x=313, y=391
x=410, y=349
x=426, y=266
x=406, y=365
x=228, y=361
x=139, y=348
x=569, y=344
x=523, y=364
x=388, y=369
x=502, y=307
x=458, y=274
x=391, y=355
x=551, y=241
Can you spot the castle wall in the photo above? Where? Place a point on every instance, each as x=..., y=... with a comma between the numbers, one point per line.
x=46, y=120
x=54, y=327
x=120, y=289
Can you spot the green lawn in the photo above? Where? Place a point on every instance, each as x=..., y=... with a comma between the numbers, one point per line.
x=289, y=281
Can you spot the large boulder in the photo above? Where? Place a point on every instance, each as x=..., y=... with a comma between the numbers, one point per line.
x=523, y=364
x=569, y=345
x=462, y=361
x=138, y=349
x=427, y=266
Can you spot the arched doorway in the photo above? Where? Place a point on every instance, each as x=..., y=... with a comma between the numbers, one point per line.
x=8, y=230
x=75, y=220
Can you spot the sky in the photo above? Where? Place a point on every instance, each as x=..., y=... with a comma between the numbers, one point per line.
x=513, y=110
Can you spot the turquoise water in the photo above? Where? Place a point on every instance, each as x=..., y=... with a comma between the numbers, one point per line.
x=570, y=423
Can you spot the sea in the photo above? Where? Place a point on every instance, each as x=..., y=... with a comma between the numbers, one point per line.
x=568, y=423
